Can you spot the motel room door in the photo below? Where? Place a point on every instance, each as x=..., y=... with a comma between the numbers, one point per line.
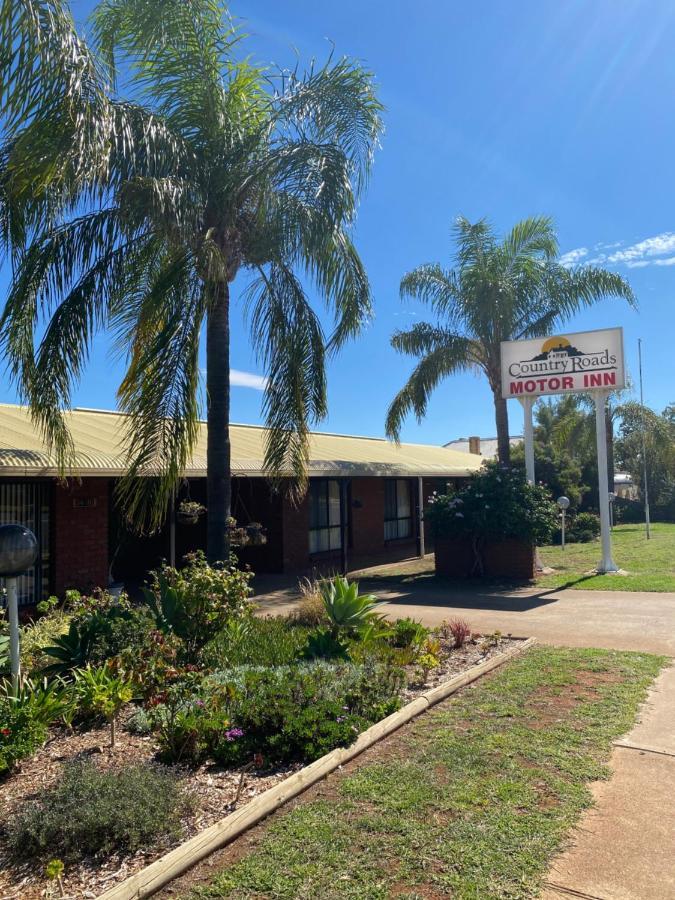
x=28, y=503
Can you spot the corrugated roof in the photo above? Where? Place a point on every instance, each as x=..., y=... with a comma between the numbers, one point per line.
x=97, y=436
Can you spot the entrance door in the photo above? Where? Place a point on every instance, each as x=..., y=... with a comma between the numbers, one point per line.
x=27, y=503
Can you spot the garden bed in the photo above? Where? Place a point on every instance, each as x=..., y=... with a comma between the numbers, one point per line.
x=213, y=788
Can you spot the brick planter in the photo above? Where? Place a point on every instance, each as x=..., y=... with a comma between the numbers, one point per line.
x=508, y=558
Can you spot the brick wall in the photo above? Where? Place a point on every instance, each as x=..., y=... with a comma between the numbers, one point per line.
x=80, y=529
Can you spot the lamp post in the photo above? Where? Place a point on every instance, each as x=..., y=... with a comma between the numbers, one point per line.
x=611, y=497
x=564, y=503
x=18, y=553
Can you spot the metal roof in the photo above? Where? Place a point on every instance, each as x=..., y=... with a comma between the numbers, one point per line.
x=97, y=437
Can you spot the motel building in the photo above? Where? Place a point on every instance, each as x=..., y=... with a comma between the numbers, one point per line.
x=362, y=506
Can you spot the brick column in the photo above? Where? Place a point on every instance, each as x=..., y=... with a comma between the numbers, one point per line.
x=80, y=529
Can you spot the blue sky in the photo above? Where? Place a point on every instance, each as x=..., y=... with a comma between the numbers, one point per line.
x=502, y=110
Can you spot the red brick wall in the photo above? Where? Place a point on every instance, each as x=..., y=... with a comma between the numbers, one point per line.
x=80, y=535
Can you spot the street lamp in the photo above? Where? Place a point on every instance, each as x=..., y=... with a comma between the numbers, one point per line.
x=564, y=503
x=18, y=553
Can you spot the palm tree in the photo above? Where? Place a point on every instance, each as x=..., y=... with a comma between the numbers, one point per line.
x=143, y=169
x=498, y=291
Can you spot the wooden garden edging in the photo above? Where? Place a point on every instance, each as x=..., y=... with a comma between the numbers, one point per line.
x=163, y=870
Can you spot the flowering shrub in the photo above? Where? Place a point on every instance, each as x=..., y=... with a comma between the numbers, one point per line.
x=24, y=720
x=194, y=603
x=496, y=503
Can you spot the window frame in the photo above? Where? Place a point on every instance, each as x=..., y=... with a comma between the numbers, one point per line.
x=398, y=519
x=328, y=527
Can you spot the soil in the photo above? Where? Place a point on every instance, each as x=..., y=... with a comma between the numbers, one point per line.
x=213, y=789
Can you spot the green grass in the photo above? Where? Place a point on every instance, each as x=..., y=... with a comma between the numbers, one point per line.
x=650, y=563
x=471, y=801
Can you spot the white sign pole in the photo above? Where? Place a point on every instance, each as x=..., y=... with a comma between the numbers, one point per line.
x=606, y=564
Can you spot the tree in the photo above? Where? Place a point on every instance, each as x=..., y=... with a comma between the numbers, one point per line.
x=144, y=169
x=659, y=443
x=499, y=290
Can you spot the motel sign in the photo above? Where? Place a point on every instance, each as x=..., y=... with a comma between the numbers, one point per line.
x=564, y=363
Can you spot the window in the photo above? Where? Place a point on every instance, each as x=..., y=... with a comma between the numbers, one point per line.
x=397, y=509
x=27, y=503
x=325, y=521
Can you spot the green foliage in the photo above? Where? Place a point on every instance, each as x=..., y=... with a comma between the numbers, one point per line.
x=89, y=811
x=408, y=633
x=659, y=440
x=196, y=602
x=347, y=610
x=498, y=291
x=134, y=213
x=322, y=644
x=40, y=633
x=101, y=627
x=103, y=692
x=496, y=503
x=25, y=718
x=257, y=641
x=300, y=712
x=585, y=527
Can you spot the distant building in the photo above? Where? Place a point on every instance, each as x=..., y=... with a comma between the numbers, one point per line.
x=485, y=447
x=624, y=486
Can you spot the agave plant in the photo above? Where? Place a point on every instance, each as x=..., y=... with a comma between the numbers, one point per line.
x=348, y=611
x=71, y=650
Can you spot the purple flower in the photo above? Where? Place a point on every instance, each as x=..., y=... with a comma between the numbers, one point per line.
x=200, y=703
x=233, y=733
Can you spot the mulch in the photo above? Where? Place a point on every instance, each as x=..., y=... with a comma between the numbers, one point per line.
x=213, y=790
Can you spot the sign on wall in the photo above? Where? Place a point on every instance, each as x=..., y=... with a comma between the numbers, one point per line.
x=563, y=363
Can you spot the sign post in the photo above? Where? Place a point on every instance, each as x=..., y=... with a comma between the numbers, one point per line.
x=588, y=362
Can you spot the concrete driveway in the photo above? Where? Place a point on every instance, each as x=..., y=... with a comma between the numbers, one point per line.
x=611, y=619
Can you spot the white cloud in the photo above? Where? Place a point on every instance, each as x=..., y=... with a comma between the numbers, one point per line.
x=248, y=380
x=668, y=261
x=572, y=257
x=645, y=252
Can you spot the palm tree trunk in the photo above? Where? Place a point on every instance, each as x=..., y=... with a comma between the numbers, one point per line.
x=502, y=422
x=218, y=487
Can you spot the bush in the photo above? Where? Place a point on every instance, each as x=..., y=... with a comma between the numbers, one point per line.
x=300, y=712
x=582, y=528
x=24, y=720
x=193, y=603
x=496, y=503
x=38, y=634
x=89, y=811
x=269, y=641
x=460, y=631
x=310, y=610
x=407, y=633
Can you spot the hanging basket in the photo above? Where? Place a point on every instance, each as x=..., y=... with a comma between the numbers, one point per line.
x=188, y=512
x=249, y=535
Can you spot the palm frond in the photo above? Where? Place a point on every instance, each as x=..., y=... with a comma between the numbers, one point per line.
x=454, y=354
x=289, y=342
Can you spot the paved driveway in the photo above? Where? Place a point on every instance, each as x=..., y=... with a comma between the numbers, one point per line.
x=611, y=619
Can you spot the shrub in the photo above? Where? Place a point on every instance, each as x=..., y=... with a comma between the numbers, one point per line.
x=103, y=692
x=102, y=626
x=268, y=641
x=292, y=713
x=25, y=718
x=408, y=633
x=460, y=631
x=321, y=644
x=89, y=811
x=193, y=603
x=38, y=634
x=585, y=528
x=496, y=503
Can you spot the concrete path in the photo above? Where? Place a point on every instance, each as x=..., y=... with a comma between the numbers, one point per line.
x=624, y=848
x=611, y=619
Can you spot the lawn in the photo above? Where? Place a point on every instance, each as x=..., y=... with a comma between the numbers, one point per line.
x=650, y=563
x=472, y=800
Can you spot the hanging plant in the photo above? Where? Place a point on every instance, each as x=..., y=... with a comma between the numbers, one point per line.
x=245, y=535
x=189, y=511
